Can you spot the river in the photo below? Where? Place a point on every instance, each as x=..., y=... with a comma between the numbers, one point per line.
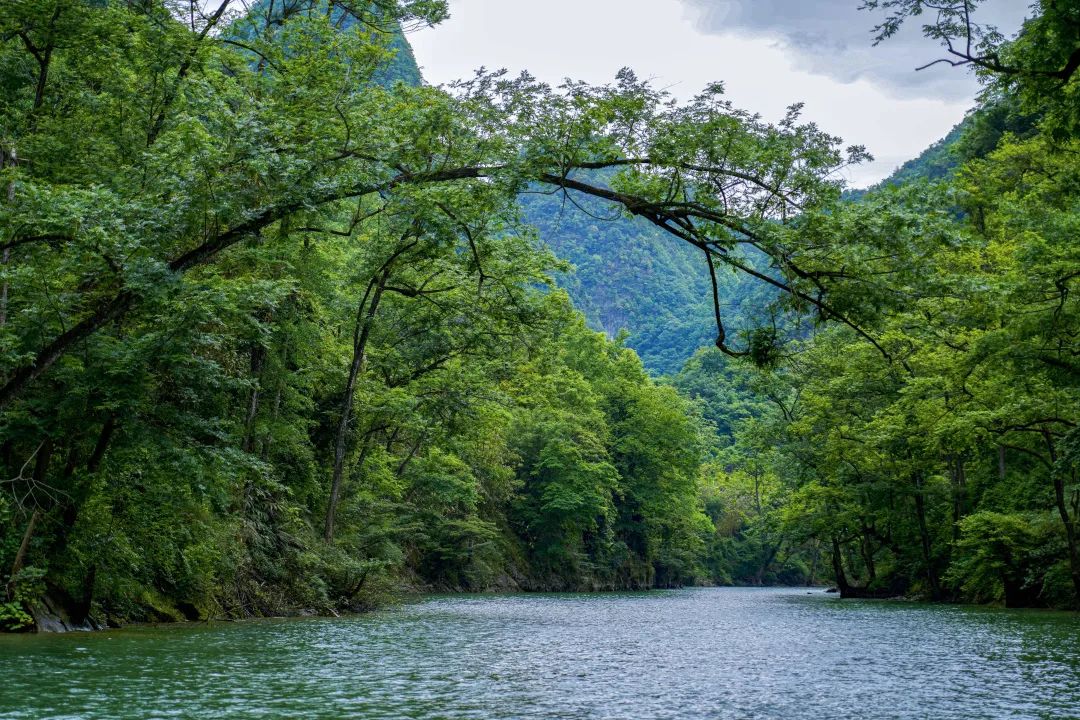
x=696, y=653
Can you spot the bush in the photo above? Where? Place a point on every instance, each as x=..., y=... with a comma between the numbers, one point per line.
x=994, y=557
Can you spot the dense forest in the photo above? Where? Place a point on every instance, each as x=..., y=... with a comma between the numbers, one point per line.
x=281, y=327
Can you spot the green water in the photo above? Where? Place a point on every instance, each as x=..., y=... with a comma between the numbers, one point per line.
x=702, y=653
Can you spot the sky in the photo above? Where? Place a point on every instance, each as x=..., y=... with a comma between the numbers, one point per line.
x=768, y=53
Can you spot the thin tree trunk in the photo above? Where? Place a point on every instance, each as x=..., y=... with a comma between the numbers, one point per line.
x=269, y=432
x=4, y=288
x=366, y=312
x=44, y=458
x=43, y=76
x=6, y=160
x=838, y=569
x=41, y=470
x=1066, y=518
x=108, y=428
x=172, y=92
x=70, y=514
x=365, y=319
x=959, y=477
x=258, y=356
x=924, y=536
x=867, y=551
x=813, y=565
x=415, y=448
x=43, y=56
x=20, y=555
x=81, y=609
x=759, y=576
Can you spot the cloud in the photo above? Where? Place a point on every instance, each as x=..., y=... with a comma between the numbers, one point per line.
x=835, y=39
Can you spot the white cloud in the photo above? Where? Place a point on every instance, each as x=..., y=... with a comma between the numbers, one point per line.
x=834, y=38
x=673, y=42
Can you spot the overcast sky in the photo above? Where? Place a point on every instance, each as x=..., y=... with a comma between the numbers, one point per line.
x=768, y=53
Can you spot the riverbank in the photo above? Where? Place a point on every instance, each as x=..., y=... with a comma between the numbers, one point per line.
x=50, y=616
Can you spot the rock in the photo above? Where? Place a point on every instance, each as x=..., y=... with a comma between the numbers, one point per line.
x=50, y=616
x=832, y=590
x=45, y=621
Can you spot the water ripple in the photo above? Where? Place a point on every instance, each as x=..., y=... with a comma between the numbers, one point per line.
x=704, y=653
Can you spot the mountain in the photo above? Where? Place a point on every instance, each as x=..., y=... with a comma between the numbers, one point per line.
x=630, y=277
x=973, y=137
x=403, y=67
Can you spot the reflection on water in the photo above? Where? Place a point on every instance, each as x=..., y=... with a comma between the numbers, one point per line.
x=700, y=653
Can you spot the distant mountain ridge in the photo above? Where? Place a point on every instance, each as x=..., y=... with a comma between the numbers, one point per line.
x=403, y=67
x=973, y=137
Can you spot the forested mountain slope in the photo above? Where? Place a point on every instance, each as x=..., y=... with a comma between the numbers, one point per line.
x=630, y=277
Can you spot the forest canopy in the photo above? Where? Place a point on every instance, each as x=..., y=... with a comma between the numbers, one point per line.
x=275, y=332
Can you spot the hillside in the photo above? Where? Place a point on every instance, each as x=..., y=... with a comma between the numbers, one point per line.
x=973, y=137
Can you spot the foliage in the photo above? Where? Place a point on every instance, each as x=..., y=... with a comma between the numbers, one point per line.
x=627, y=275
x=276, y=333
x=24, y=588
x=934, y=459
x=295, y=382
x=928, y=446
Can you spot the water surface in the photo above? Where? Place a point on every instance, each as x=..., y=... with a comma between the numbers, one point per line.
x=699, y=653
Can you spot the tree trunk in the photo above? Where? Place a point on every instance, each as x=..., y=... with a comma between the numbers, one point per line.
x=43, y=74
x=813, y=565
x=365, y=317
x=20, y=554
x=838, y=569
x=415, y=448
x=924, y=536
x=867, y=551
x=80, y=610
x=269, y=436
x=4, y=288
x=959, y=478
x=759, y=576
x=41, y=470
x=108, y=428
x=44, y=459
x=258, y=356
x=70, y=511
x=1066, y=517
x=6, y=160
